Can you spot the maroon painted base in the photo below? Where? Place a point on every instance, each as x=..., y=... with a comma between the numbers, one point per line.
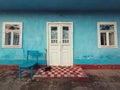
x=84, y=66
x=100, y=66
x=8, y=67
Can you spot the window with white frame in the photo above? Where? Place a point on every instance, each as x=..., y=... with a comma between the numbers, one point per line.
x=107, y=34
x=12, y=35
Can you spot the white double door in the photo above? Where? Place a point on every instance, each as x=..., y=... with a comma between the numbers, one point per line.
x=59, y=43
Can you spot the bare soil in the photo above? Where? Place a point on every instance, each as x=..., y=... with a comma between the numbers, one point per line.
x=99, y=80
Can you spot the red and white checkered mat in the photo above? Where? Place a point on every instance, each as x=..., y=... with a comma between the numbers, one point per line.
x=60, y=72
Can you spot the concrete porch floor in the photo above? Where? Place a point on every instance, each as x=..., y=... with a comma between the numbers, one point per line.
x=99, y=80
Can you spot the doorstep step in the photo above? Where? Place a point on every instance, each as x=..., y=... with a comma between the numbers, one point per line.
x=59, y=72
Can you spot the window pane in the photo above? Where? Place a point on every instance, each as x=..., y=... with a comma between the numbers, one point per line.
x=111, y=38
x=65, y=32
x=8, y=38
x=54, y=35
x=103, y=38
x=106, y=27
x=53, y=32
x=12, y=27
x=15, y=38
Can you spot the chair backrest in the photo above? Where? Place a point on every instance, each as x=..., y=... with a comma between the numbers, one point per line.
x=32, y=54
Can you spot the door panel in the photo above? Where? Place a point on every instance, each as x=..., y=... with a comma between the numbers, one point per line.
x=66, y=45
x=65, y=58
x=54, y=56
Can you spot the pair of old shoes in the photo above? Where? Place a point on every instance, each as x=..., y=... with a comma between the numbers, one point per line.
x=48, y=68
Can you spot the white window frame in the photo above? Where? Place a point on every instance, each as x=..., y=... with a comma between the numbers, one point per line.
x=107, y=35
x=20, y=36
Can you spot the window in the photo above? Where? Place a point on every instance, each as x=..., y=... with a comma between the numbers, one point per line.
x=65, y=35
x=12, y=35
x=54, y=34
x=107, y=35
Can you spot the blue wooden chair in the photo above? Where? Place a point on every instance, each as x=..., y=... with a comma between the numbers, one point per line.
x=32, y=60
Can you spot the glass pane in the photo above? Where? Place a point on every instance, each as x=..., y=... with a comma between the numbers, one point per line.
x=106, y=27
x=16, y=39
x=103, y=38
x=65, y=32
x=111, y=38
x=8, y=38
x=53, y=32
x=12, y=27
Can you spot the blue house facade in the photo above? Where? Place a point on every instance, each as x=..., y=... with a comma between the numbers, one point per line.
x=68, y=35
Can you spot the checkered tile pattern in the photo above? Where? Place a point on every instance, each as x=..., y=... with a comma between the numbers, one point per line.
x=60, y=72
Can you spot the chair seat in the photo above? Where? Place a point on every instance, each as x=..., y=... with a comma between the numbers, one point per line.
x=27, y=64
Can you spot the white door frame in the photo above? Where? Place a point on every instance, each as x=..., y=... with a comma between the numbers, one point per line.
x=47, y=32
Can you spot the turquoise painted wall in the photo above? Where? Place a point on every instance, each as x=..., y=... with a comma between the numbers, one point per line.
x=85, y=46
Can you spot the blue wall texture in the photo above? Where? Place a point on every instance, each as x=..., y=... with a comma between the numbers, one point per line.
x=85, y=39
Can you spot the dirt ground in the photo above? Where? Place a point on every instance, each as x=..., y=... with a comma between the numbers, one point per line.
x=99, y=80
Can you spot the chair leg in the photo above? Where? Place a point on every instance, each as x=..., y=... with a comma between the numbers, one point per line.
x=20, y=73
x=31, y=72
x=22, y=69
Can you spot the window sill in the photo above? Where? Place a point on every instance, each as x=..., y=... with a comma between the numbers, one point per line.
x=6, y=46
x=107, y=46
